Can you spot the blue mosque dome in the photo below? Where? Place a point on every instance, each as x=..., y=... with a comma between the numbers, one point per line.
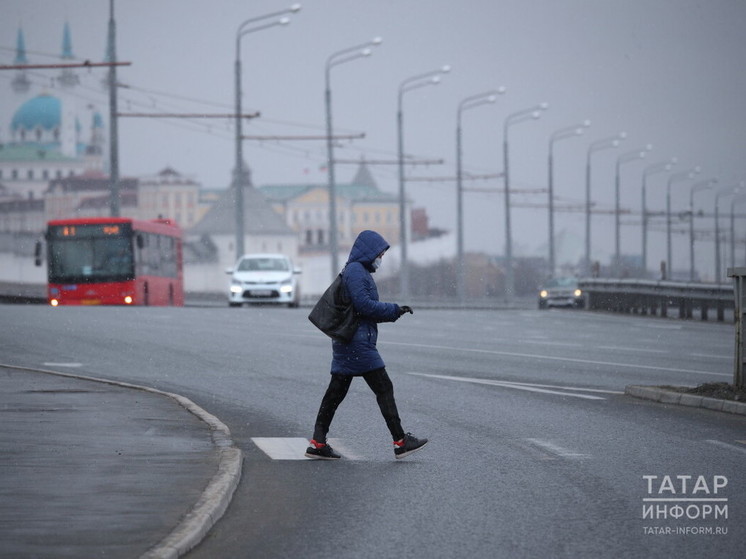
x=43, y=112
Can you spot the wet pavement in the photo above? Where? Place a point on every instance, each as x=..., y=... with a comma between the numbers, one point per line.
x=92, y=469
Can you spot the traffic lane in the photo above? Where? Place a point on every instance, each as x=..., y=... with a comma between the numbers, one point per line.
x=501, y=467
x=260, y=381
x=541, y=367
x=693, y=356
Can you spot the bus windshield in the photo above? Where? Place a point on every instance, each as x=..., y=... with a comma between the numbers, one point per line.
x=89, y=258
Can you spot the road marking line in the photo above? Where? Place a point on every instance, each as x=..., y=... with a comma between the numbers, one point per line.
x=634, y=349
x=552, y=358
x=726, y=445
x=71, y=365
x=522, y=386
x=282, y=448
x=558, y=344
x=294, y=448
x=710, y=356
x=557, y=450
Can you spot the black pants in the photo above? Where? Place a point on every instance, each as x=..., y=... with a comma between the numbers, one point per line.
x=379, y=382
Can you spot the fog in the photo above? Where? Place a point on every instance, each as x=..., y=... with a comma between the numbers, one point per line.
x=667, y=72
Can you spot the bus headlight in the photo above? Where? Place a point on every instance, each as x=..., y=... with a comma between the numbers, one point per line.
x=54, y=302
x=128, y=300
x=578, y=293
x=543, y=293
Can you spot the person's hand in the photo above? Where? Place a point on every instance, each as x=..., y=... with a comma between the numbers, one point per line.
x=405, y=309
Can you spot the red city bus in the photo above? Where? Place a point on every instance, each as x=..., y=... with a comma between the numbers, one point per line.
x=114, y=261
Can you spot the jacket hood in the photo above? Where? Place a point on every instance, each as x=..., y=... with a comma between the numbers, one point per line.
x=367, y=247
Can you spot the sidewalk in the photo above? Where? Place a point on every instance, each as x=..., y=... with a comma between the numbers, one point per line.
x=91, y=469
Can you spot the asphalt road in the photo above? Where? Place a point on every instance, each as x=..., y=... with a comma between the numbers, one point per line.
x=534, y=452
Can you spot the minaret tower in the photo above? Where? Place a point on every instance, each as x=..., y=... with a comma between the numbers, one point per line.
x=20, y=83
x=67, y=78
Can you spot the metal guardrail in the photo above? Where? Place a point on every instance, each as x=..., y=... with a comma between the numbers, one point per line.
x=22, y=293
x=647, y=297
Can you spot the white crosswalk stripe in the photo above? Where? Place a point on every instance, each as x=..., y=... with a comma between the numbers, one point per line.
x=294, y=448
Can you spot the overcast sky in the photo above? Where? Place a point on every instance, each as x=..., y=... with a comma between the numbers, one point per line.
x=668, y=72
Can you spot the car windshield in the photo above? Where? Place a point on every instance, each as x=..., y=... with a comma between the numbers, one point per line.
x=263, y=265
x=562, y=282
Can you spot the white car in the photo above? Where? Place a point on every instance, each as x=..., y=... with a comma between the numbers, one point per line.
x=264, y=278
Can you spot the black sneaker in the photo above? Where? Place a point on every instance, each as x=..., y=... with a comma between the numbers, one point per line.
x=321, y=452
x=408, y=445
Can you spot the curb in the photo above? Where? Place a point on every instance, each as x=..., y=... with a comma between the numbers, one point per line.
x=683, y=399
x=216, y=497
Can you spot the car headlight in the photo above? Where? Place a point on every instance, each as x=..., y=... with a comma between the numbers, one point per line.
x=578, y=293
x=236, y=287
x=543, y=293
x=286, y=286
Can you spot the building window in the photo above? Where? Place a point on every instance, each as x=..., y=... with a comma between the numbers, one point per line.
x=45, y=174
x=30, y=174
x=320, y=236
x=309, y=237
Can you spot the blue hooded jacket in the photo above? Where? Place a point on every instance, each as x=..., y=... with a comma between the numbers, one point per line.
x=360, y=355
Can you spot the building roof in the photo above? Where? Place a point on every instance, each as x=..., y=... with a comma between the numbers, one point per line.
x=259, y=217
x=127, y=199
x=354, y=192
x=43, y=111
x=31, y=152
x=88, y=183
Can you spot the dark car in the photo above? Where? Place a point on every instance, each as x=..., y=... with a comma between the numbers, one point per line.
x=561, y=292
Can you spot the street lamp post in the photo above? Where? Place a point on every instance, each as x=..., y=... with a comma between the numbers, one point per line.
x=736, y=200
x=251, y=25
x=598, y=145
x=690, y=174
x=704, y=185
x=414, y=82
x=465, y=104
x=520, y=116
x=650, y=170
x=728, y=190
x=561, y=134
x=340, y=57
x=623, y=158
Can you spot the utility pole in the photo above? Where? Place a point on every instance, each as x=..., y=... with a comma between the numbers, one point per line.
x=114, y=201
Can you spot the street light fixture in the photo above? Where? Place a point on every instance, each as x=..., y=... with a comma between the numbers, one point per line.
x=685, y=175
x=598, y=145
x=703, y=185
x=520, y=116
x=623, y=158
x=466, y=104
x=414, y=82
x=251, y=25
x=664, y=167
x=335, y=59
x=561, y=134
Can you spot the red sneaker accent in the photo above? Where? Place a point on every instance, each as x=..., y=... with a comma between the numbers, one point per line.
x=400, y=442
x=317, y=445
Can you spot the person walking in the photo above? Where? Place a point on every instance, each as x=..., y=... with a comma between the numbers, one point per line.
x=360, y=357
